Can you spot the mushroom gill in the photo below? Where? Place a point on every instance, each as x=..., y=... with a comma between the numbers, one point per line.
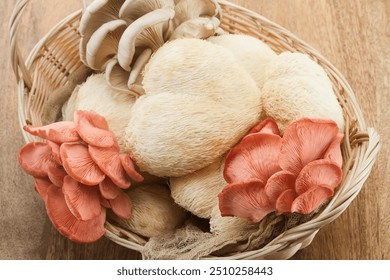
x=97, y=14
x=119, y=37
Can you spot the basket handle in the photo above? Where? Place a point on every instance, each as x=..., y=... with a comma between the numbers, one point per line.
x=18, y=63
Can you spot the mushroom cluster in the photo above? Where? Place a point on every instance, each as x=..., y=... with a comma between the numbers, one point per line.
x=119, y=36
x=294, y=173
x=189, y=108
x=79, y=172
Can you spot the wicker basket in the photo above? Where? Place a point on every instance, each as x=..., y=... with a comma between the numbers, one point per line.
x=56, y=56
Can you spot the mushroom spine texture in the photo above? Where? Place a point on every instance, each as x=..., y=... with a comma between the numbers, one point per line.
x=253, y=54
x=198, y=192
x=96, y=95
x=298, y=87
x=231, y=226
x=153, y=211
x=199, y=101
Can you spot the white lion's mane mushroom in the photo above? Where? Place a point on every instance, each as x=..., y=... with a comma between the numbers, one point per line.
x=153, y=211
x=119, y=36
x=298, y=87
x=230, y=226
x=198, y=192
x=199, y=102
x=254, y=54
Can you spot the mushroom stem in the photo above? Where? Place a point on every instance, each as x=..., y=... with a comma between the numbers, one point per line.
x=139, y=65
x=117, y=79
x=138, y=89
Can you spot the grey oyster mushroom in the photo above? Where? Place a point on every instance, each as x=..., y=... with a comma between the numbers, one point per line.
x=118, y=37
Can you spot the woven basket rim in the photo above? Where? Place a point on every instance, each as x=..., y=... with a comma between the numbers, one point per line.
x=362, y=147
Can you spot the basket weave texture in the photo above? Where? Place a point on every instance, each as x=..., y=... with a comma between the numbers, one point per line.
x=56, y=56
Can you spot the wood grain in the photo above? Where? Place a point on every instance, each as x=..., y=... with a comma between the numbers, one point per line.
x=353, y=34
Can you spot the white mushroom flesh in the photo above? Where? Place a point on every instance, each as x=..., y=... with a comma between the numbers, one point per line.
x=253, y=54
x=198, y=192
x=298, y=87
x=199, y=101
x=230, y=226
x=153, y=211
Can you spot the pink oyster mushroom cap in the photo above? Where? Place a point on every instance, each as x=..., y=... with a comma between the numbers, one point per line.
x=294, y=173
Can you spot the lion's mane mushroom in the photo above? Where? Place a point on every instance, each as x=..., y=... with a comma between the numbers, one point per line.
x=298, y=87
x=229, y=225
x=199, y=102
x=95, y=95
x=153, y=211
x=253, y=54
x=119, y=36
x=198, y=192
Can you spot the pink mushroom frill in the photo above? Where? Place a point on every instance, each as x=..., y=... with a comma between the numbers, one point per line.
x=79, y=172
x=294, y=173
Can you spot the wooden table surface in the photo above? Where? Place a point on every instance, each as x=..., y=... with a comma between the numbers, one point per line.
x=353, y=34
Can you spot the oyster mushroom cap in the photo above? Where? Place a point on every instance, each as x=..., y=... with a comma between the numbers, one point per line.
x=118, y=79
x=127, y=43
x=189, y=9
x=66, y=223
x=153, y=211
x=198, y=192
x=133, y=9
x=94, y=16
x=253, y=54
x=103, y=44
x=298, y=87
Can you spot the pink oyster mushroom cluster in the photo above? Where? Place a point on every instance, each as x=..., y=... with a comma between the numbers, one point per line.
x=266, y=172
x=79, y=172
